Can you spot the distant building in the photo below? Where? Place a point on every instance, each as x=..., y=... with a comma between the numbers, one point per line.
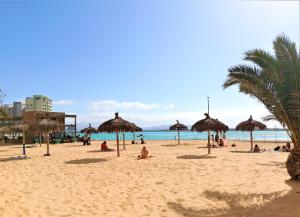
x=17, y=109
x=14, y=110
x=8, y=109
x=38, y=103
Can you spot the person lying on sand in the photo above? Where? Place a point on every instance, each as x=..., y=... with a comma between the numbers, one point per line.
x=144, y=153
x=105, y=148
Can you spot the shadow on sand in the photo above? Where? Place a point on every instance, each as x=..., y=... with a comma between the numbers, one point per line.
x=277, y=204
x=195, y=157
x=273, y=163
x=210, y=147
x=79, y=145
x=95, y=151
x=86, y=161
x=246, y=152
x=13, y=158
x=3, y=150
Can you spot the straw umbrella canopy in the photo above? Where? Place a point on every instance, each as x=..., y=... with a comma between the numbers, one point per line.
x=116, y=125
x=48, y=125
x=208, y=124
x=250, y=125
x=178, y=126
x=4, y=130
x=20, y=128
x=89, y=130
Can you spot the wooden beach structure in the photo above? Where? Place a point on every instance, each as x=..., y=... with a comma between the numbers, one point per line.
x=32, y=118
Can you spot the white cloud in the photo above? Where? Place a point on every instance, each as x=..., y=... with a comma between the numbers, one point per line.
x=230, y=116
x=170, y=106
x=63, y=102
x=112, y=105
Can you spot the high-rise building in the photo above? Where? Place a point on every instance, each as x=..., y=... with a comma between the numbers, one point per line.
x=14, y=110
x=38, y=103
x=17, y=109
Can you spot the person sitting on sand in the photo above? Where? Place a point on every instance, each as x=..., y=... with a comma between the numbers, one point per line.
x=284, y=148
x=142, y=141
x=144, y=153
x=288, y=147
x=104, y=147
x=85, y=140
x=221, y=142
x=257, y=149
x=217, y=138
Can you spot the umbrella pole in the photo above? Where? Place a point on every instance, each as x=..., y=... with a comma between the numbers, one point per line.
x=251, y=138
x=124, y=141
x=178, y=137
x=3, y=139
x=48, y=152
x=118, y=150
x=24, y=147
x=208, y=145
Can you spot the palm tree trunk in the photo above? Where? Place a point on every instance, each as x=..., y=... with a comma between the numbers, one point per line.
x=251, y=140
x=208, y=144
x=118, y=149
x=124, y=141
x=293, y=164
x=178, y=137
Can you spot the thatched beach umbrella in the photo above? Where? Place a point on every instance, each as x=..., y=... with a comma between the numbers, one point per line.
x=250, y=125
x=4, y=130
x=116, y=125
x=89, y=130
x=48, y=125
x=178, y=126
x=208, y=124
x=21, y=128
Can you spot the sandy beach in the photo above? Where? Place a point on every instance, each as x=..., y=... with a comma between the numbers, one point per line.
x=178, y=180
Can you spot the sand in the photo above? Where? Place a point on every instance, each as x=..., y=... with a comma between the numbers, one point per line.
x=179, y=180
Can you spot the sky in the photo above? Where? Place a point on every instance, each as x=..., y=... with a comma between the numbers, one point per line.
x=154, y=62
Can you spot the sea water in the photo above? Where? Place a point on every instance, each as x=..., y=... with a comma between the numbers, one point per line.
x=265, y=135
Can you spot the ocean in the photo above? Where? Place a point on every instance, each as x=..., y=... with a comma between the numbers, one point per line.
x=266, y=135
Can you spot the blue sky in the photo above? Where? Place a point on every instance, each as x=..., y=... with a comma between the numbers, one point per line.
x=153, y=61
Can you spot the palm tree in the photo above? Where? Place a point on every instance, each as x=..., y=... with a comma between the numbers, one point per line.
x=274, y=80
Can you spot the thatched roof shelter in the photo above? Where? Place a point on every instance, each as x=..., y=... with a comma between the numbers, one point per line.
x=89, y=130
x=250, y=125
x=209, y=124
x=48, y=125
x=116, y=125
x=135, y=128
x=178, y=126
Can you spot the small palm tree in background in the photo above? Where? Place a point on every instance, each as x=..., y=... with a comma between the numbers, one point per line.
x=274, y=80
